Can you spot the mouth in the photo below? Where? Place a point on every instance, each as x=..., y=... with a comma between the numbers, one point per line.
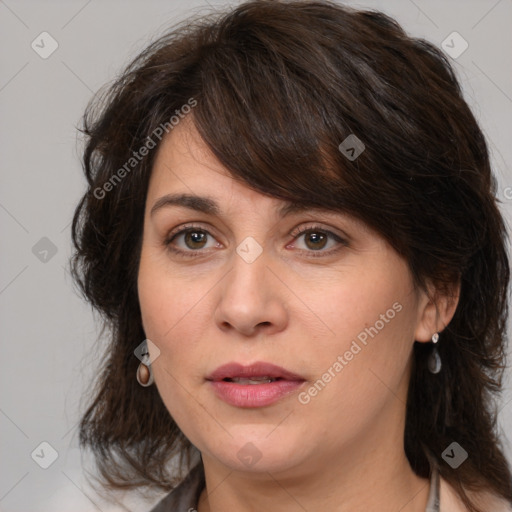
x=256, y=373
x=258, y=385
x=254, y=380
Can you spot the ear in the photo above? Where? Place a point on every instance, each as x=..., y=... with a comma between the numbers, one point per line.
x=436, y=308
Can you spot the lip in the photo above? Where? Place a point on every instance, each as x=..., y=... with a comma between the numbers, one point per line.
x=258, y=369
x=253, y=395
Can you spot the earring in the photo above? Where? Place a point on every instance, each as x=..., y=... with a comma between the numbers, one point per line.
x=434, y=359
x=144, y=375
x=144, y=372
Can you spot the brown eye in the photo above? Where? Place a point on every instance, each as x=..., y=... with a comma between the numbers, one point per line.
x=195, y=239
x=315, y=240
x=191, y=241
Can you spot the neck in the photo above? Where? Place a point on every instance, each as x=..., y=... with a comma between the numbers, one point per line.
x=377, y=479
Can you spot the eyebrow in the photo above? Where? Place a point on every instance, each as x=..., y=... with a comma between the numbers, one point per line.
x=209, y=206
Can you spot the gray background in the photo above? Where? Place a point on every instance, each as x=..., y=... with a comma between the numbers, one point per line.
x=47, y=332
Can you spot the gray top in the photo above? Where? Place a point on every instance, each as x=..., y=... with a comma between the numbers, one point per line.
x=185, y=497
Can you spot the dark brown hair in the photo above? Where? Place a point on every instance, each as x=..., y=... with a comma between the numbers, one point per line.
x=278, y=87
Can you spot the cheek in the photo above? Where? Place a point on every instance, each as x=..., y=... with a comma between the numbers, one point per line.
x=165, y=298
x=170, y=308
x=167, y=309
x=370, y=322
x=361, y=307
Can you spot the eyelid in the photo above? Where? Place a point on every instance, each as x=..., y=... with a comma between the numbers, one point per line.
x=184, y=227
x=295, y=233
x=299, y=230
x=342, y=240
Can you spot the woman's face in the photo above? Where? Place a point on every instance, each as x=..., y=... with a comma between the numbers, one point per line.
x=238, y=282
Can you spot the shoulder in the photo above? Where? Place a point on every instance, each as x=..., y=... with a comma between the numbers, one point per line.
x=451, y=502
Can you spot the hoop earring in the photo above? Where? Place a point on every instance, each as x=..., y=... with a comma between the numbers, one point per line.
x=434, y=359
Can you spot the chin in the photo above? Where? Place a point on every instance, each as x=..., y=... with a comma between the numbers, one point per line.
x=258, y=451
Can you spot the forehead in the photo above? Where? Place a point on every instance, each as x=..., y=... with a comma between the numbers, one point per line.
x=183, y=158
x=187, y=166
x=187, y=173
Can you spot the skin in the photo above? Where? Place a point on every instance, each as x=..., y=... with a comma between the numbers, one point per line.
x=343, y=450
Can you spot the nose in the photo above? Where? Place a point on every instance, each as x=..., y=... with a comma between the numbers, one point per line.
x=251, y=299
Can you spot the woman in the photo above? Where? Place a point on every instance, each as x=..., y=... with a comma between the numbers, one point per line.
x=291, y=232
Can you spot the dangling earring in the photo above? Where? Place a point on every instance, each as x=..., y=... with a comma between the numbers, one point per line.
x=434, y=359
x=144, y=372
x=144, y=375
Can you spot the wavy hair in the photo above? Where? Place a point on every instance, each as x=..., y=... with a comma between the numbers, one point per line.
x=278, y=87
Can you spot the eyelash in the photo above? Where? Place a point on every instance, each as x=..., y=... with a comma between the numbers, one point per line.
x=295, y=233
